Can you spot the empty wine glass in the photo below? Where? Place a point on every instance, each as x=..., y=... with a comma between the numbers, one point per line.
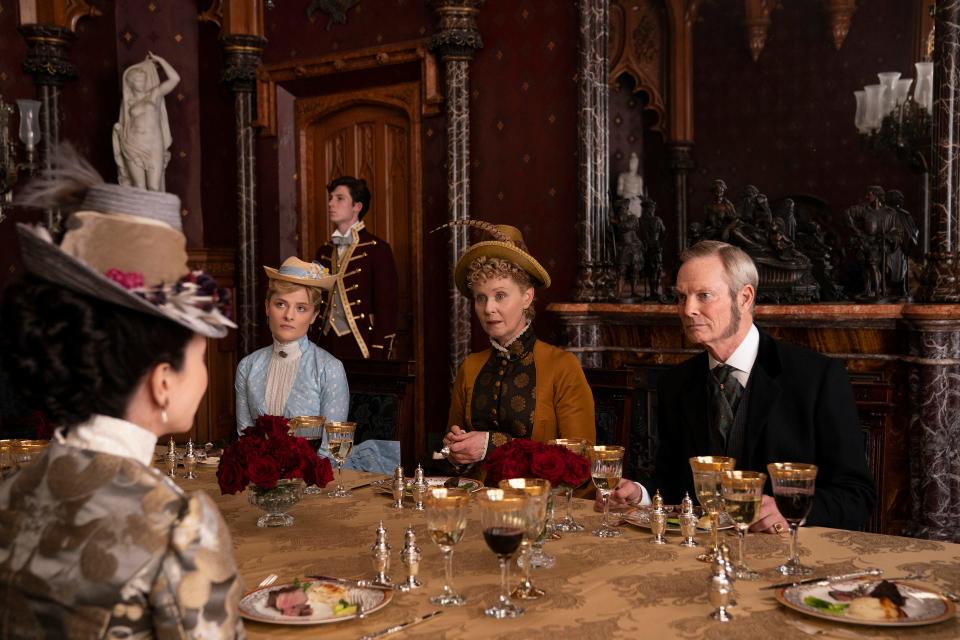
x=539, y=492
x=606, y=469
x=339, y=443
x=793, y=487
x=310, y=428
x=707, y=471
x=567, y=523
x=742, y=492
x=446, y=522
x=504, y=515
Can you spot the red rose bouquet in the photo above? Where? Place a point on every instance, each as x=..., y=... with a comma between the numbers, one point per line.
x=525, y=458
x=266, y=453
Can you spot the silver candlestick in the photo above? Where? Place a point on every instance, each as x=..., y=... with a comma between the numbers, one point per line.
x=688, y=522
x=380, y=554
x=410, y=556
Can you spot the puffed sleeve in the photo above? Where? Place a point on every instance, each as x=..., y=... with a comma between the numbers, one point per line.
x=334, y=390
x=197, y=589
x=244, y=419
x=573, y=401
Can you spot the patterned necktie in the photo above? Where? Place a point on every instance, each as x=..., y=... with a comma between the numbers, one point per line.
x=341, y=241
x=725, y=392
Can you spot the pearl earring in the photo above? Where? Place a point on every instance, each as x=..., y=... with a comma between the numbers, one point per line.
x=163, y=416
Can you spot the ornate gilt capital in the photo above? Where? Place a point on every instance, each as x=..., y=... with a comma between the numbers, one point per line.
x=47, y=48
x=457, y=35
x=242, y=55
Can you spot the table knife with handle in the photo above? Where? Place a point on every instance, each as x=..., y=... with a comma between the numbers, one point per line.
x=400, y=627
x=825, y=579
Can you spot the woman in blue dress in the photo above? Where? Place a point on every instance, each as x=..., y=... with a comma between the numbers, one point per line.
x=292, y=377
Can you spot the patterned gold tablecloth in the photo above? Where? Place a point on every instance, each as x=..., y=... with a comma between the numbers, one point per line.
x=611, y=588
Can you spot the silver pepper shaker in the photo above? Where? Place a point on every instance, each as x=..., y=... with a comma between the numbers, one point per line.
x=397, y=487
x=658, y=520
x=688, y=522
x=380, y=554
x=720, y=589
x=419, y=488
x=190, y=461
x=410, y=556
x=172, y=458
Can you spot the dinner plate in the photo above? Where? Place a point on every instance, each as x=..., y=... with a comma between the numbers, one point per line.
x=923, y=605
x=254, y=606
x=384, y=485
x=641, y=518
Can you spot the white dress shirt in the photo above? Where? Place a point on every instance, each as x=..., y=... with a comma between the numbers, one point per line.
x=742, y=361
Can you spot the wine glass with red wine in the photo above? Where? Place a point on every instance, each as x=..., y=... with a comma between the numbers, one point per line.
x=793, y=487
x=504, y=516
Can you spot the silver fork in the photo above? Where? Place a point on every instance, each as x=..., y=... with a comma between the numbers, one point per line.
x=361, y=614
x=269, y=580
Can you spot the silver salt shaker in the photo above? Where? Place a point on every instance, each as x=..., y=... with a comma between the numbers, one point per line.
x=419, y=488
x=397, y=487
x=172, y=458
x=658, y=520
x=720, y=589
x=688, y=522
x=380, y=555
x=410, y=556
x=190, y=462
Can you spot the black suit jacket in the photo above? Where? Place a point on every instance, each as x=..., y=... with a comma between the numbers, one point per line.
x=800, y=409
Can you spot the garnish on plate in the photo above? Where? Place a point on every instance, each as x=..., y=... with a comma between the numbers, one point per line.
x=883, y=602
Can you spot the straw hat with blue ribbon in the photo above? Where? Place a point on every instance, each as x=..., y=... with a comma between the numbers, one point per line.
x=297, y=271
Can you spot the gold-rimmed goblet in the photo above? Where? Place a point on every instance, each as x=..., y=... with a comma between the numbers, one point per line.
x=742, y=492
x=606, y=469
x=567, y=523
x=707, y=471
x=339, y=443
x=310, y=428
x=504, y=516
x=793, y=487
x=446, y=522
x=539, y=492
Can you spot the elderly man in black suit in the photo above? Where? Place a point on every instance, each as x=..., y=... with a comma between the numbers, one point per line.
x=757, y=399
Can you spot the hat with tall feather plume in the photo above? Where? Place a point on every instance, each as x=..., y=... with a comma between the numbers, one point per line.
x=507, y=243
x=122, y=245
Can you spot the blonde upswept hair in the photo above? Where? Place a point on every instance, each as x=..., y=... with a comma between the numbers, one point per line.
x=282, y=287
x=484, y=268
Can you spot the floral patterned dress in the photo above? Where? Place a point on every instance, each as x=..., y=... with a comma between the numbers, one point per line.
x=96, y=545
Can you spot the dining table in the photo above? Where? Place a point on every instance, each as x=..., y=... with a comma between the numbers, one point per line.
x=603, y=588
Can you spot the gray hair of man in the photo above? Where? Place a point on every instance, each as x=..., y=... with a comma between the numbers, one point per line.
x=738, y=267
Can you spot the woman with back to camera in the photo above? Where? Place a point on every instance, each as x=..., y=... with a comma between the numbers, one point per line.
x=94, y=541
x=520, y=387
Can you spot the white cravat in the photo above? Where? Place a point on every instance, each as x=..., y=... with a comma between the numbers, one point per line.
x=349, y=234
x=111, y=435
x=281, y=374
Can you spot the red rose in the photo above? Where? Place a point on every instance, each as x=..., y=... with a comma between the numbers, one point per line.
x=511, y=460
x=320, y=474
x=549, y=465
x=230, y=474
x=263, y=472
x=577, y=469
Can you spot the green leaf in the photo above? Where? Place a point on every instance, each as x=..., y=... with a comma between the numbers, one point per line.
x=823, y=605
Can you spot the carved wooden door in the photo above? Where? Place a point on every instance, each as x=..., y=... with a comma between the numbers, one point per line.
x=368, y=135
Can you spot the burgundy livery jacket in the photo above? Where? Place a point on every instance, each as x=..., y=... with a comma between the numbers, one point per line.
x=360, y=317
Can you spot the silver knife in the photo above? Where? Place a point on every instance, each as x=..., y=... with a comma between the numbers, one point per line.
x=825, y=579
x=400, y=627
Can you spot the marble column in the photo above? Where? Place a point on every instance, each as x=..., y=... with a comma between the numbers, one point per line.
x=456, y=40
x=596, y=277
x=47, y=62
x=681, y=163
x=242, y=55
x=941, y=279
x=934, y=430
